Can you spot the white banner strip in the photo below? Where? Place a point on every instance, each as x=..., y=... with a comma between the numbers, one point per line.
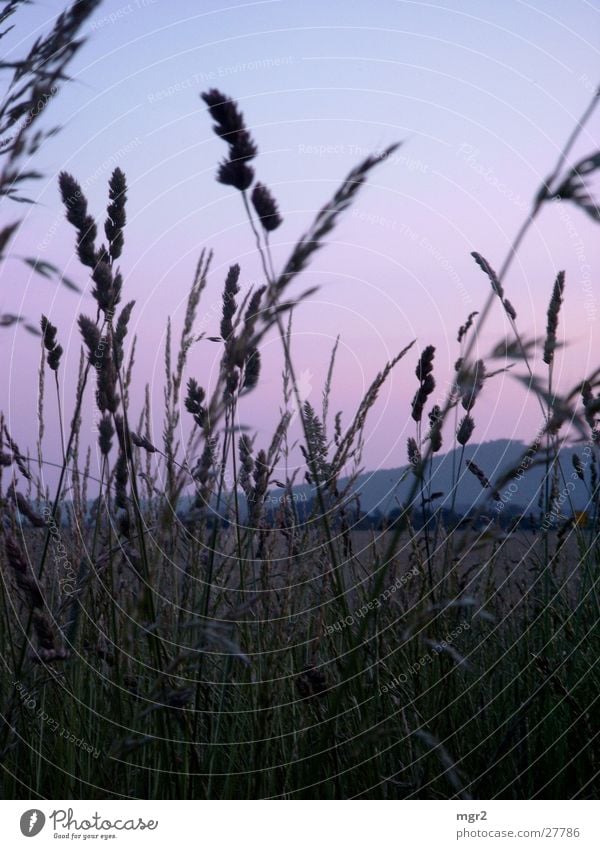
x=303, y=824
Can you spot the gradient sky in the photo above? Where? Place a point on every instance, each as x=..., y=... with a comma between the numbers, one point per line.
x=482, y=94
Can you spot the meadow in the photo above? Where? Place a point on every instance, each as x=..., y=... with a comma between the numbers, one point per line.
x=184, y=626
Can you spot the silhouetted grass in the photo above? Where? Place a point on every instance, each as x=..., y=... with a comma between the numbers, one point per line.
x=162, y=646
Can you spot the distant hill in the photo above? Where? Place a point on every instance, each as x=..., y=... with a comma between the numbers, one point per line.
x=380, y=493
x=382, y=490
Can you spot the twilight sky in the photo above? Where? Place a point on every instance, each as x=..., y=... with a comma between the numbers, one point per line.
x=482, y=94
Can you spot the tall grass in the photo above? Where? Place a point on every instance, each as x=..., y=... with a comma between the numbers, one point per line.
x=31, y=82
x=162, y=645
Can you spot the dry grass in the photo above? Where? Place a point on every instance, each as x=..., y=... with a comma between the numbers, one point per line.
x=257, y=646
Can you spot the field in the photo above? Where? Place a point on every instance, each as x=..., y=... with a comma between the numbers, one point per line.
x=471, y=682
x=182, y=626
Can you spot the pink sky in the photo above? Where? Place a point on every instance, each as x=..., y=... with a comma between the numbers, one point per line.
x=483, y=95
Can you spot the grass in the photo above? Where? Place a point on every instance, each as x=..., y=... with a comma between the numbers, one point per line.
x=184, y=638
x=34, y=80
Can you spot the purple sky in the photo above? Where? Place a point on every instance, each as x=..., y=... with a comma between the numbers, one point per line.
x=483, y=95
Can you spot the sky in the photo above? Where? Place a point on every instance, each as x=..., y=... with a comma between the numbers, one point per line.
x=482, y=95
